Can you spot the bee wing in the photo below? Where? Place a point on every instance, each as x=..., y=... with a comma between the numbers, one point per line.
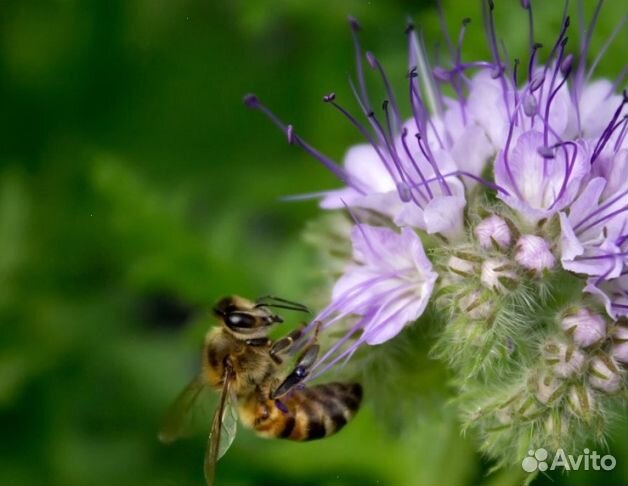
x=187, y=410
x=224, y=426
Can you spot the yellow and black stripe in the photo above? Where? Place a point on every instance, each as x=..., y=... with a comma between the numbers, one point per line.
x=305, y=414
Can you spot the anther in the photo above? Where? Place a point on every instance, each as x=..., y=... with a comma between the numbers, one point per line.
x=530, y=105
x=566, y=65
x=251, y=101
x=370, y=58
x=353, y=22
x=537, y=81
x=328, y=98
x=466, y=21
x=497, y=71
x=290, y=134
x=546, y=152
x=441, y=74
x=404, y=191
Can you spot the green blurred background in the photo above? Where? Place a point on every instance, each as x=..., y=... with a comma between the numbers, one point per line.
x=135, y=189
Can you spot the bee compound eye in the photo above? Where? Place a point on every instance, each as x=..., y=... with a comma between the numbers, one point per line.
x=240, y=320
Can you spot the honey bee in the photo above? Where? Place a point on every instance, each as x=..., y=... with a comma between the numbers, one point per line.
x=245, y=365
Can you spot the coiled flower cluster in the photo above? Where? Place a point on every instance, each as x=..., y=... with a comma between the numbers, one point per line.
x=499, y=209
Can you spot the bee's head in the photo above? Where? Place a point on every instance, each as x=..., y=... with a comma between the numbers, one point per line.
x=244, y=318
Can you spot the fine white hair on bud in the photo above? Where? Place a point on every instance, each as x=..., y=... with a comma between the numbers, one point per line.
x=585, y=327
x=475, y=305
x=620, y=352
x=548, y=388
x=619, y=349
x=497, y=274
x=493, y=231
x=604, y=374
x=566, y=360
x=580, y=401
x=460, y=267
x=534, y=253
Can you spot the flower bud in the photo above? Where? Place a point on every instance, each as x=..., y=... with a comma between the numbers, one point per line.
x=533, y=253
x=548, y=388
x=619, y=350
x=620, y=334
x=604, y=374
x=557, y=425
x=580, y=401
x=585, y=327
x=566, y=360
x=475, y=305
x=460, y=267
x=493, y=231
x=498, y=275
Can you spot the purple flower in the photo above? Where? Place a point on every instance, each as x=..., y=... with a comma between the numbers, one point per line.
x=612, y=293
x=541, y=139
x=386, y=288
x=538, y=186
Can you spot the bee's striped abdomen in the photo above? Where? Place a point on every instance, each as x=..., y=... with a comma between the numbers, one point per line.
x=306, y=414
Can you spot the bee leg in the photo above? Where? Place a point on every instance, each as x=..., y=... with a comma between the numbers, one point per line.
x=300, y=371
x=286, y=344
x=263, y=341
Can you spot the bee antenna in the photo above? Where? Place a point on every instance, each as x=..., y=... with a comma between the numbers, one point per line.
x=279, y=303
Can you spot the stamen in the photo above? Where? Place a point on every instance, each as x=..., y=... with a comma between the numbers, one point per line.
x=605, y=257
x=444, y=29
x=489, y=25
x=527, y=5
x=251, y=101
x=456, y=173
x=599, y=210
x=559, y=46
x=618, y=80
x=568, y=169
x=611, y=215
x=515, y=83
x=355, y=28
x=552, y=91
x=610, y=128
x=391, y=295
x=584, y=44
x=374, y=63
x=456, y=82
x=418, y=58
x=537, y=81
x=607, y=44
x=532, y=62
x=622, y=133
x=404, y=134
x=385, y=141
x=365, y=133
